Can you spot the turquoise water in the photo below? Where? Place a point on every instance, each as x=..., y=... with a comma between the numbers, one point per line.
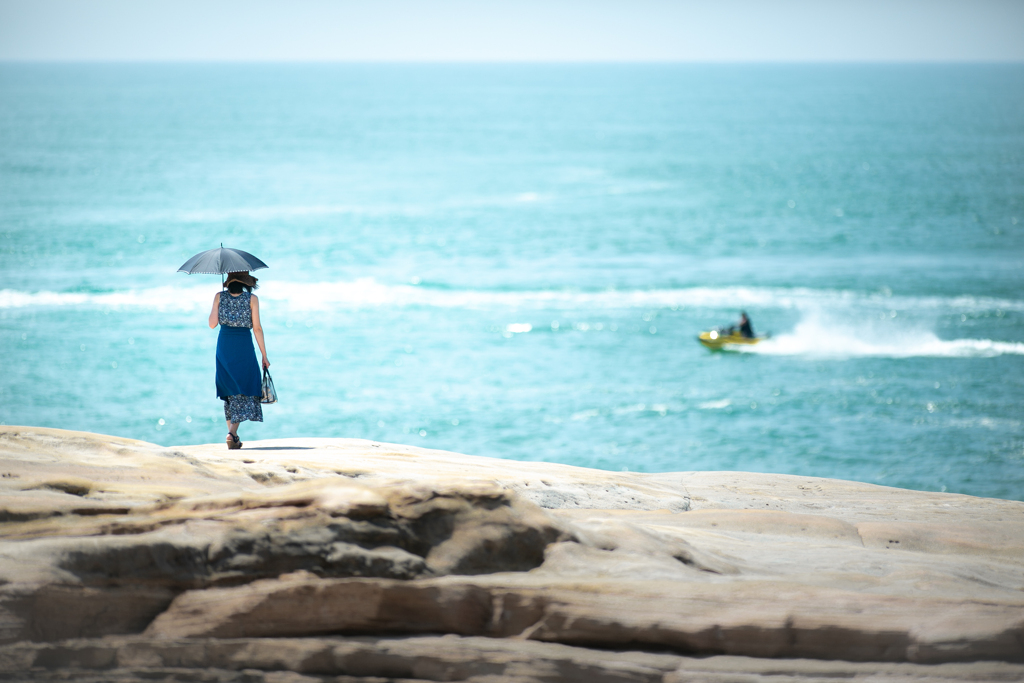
x=514, y=261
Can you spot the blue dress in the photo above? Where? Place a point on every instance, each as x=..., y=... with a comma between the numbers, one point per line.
x=238, y=374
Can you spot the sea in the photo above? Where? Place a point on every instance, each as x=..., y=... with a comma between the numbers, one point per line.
x=515, y=260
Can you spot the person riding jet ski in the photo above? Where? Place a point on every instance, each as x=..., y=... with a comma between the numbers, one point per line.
x=745, y=329
x=742, y=328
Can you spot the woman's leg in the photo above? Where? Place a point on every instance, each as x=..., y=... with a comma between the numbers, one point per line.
x=232, y=437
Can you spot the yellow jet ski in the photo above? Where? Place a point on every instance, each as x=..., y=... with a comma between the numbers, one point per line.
x=717, y=340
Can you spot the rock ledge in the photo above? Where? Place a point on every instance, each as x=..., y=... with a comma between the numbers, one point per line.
x=341, y=559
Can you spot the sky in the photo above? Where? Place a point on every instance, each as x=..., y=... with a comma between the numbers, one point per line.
x=513, y=30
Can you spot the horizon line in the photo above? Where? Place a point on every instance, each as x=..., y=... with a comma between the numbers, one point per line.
x=520, y=62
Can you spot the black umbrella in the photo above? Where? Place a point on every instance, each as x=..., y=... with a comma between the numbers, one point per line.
x=222, y=260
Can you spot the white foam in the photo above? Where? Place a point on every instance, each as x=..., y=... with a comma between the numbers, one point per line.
x=159, y=298
x=813, y=338
x=838, y=324
x=368, y=293
x=715, y=405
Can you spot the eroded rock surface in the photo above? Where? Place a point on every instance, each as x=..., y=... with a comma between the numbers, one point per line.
x=433, y=658
x=331, y=546
x=743, y=618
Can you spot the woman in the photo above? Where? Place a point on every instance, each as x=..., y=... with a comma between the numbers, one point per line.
x=238, y=376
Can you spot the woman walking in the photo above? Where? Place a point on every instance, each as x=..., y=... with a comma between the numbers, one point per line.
x=237, y=310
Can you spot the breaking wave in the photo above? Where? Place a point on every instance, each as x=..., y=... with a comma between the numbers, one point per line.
x=368, y=293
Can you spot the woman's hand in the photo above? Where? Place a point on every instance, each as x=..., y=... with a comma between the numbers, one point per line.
x=266, y=363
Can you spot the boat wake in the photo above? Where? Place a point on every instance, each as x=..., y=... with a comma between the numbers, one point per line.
x=812, y=338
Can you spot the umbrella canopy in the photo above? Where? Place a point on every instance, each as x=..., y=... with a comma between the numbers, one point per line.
x=222, y=260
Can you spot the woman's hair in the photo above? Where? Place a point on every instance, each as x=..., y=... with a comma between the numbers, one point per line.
x=236, y=282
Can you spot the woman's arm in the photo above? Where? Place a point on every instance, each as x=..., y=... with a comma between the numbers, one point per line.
x=257, y=328
x=215, y=311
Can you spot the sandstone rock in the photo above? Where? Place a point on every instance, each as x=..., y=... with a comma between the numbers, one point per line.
x=331, y=527
x=632, y=543
x=55, y=612
x=305, y=537
x=762, y=619
x=744, y=618
x=297, y=607
x=825, y=551
x=432, y=658
x=1002, y=540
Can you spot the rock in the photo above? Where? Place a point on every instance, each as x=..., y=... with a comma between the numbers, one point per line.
x=632, y=543
x=348, y=552
x=329, y=527
x=50, y=612
x=746, y=618
x=298, y=607
x=433, y=658
x=772, y=619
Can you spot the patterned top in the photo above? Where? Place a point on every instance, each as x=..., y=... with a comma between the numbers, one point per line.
x=235, y=311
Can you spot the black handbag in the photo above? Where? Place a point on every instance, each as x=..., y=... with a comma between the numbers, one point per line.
x=269, y=392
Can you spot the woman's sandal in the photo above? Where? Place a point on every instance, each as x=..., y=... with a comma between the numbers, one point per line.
x=233, y=441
